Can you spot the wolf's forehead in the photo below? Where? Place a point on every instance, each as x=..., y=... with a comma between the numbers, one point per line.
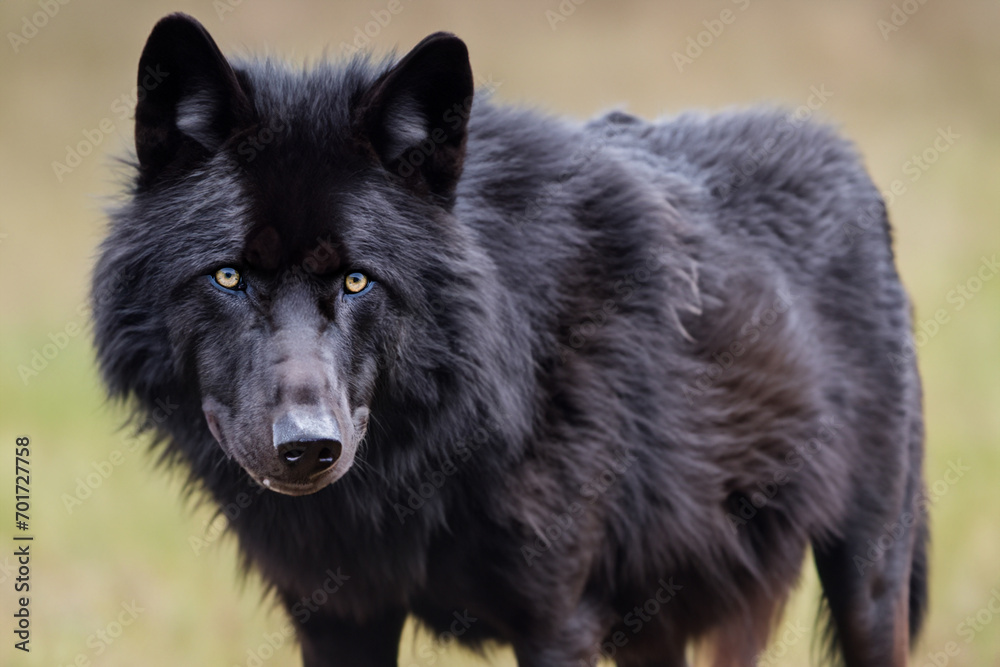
x=268, y=249
x=291, y=186
x=323, y=225
x=293, y=218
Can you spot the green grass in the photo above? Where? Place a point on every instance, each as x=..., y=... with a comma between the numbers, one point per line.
x=130, y=540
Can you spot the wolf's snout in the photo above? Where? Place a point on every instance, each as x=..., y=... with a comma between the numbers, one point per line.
x=307, y=443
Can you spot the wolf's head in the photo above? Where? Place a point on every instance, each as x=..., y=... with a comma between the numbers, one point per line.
x=288, y=259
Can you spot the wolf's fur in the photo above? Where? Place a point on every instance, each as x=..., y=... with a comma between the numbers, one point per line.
x=610, y=383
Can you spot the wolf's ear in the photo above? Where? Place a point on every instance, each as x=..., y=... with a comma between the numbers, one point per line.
x=189, y=96
x=415, y=115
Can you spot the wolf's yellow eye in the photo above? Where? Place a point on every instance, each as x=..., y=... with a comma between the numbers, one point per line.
x=227, y=277
x=355, y=282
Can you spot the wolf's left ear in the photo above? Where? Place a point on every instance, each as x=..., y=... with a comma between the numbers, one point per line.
x=415, y=115
x=189, y=97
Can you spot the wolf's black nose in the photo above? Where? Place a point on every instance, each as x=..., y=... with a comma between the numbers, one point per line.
x=311, y=456
x=307, y=442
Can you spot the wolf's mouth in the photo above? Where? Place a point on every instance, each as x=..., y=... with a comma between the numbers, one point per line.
x=307, y=485
x=294, y=488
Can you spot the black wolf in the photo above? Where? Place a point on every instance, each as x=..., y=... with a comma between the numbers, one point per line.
x=587, y=389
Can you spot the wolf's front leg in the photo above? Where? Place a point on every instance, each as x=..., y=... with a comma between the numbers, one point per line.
x=568, y=639
x=333, y=642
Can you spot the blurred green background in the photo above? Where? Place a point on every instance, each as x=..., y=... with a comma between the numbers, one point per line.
x=894, y=76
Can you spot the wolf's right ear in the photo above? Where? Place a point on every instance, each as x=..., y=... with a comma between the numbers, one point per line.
x=415, y=115
x=189, y=97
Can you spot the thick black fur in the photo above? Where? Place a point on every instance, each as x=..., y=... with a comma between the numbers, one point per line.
x=610, y=383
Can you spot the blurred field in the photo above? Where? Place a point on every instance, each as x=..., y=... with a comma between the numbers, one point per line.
x=133, y=540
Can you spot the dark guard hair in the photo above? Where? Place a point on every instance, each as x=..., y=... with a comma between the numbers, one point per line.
x=591, y=390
